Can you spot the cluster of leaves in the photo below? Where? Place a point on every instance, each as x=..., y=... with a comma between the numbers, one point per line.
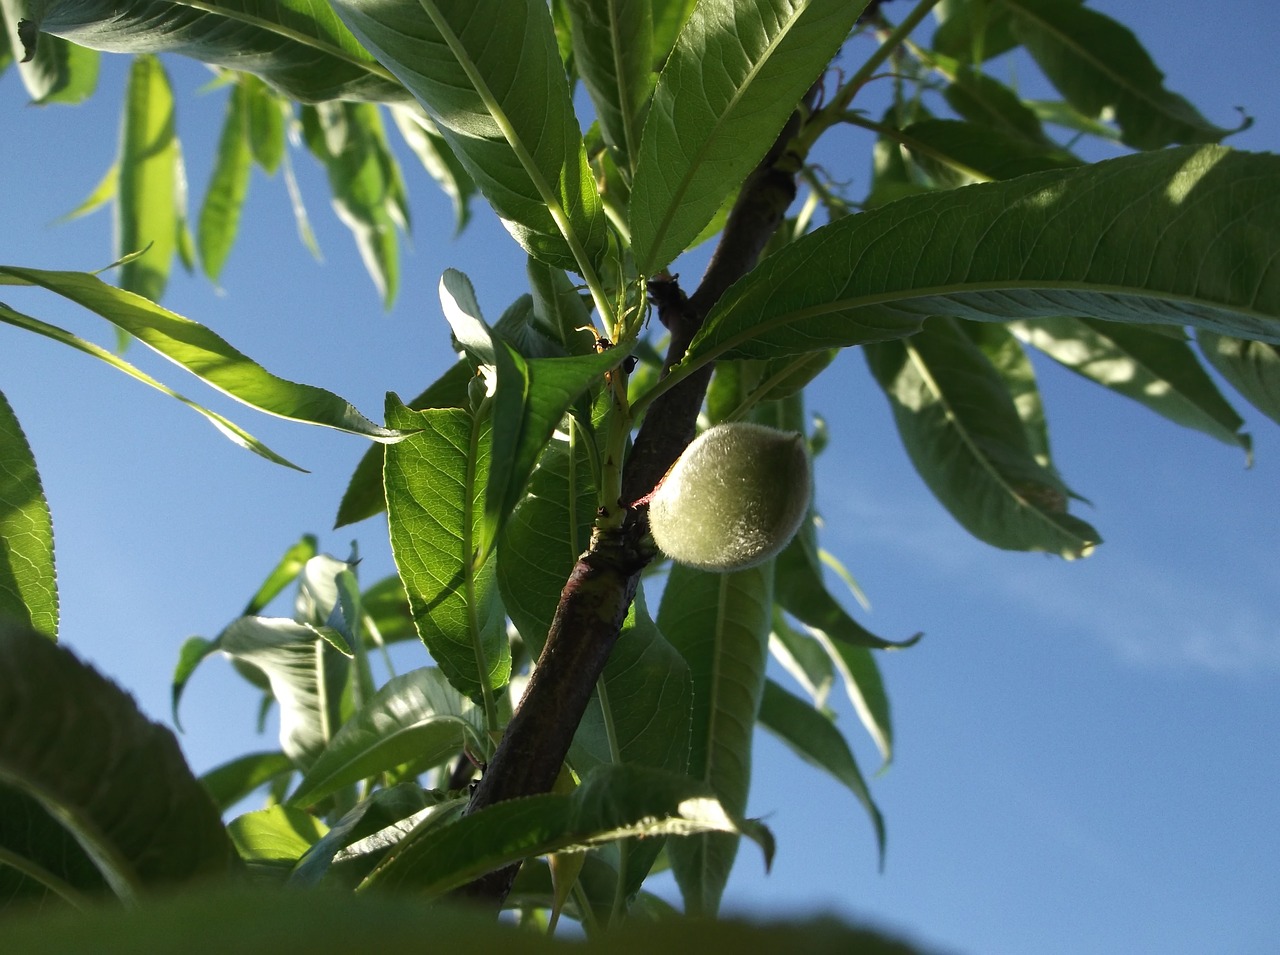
x=516, y=471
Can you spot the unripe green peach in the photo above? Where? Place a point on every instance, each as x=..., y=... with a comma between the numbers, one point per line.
x=734, y=499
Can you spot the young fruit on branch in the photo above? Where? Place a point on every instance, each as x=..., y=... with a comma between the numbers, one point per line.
x=734, y=499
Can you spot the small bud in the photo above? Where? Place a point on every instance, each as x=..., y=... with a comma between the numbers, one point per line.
x=734, y=499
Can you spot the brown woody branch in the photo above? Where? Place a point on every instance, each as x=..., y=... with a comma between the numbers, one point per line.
x=599, y=592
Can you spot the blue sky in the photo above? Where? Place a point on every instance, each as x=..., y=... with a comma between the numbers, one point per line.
x=1087, y=752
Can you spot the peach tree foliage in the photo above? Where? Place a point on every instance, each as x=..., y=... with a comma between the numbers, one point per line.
x=567, y=734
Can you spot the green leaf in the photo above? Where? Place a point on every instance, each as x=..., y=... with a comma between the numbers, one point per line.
x=529, y=398
x=77, y=744
x=974, y=30
x=276, y=837
x=1180, y=236
x=1009, y=358
x=979, y=153
x=228, y=428
x=966, y=439
x=559, y=310
x=613, y=51
x=639, y=716
x=801, y=655
x=52, y=70
x=307, y=678
x=435, y=483
x=1154, y=369
x=103, y=192
x=149, y=209
x=707, y=128
x=613, y=802
x=235, y=780
x=364, y=496
x=201, y=352
x=253, y=919
x=423, y=137
x=720, y=624
x=386, y=607
x=1104, y=72
x=285, y=572
x=40, y=860
x=416, y=717
x=265, y=113
x=28, y=582
x=489, y=74
x=1253, y=368
x=364, y=177
x=298, y=47
x=987, y=102
x=228, y=185
x=816, y=740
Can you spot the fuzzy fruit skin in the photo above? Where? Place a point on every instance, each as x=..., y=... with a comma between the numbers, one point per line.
x=734, y=499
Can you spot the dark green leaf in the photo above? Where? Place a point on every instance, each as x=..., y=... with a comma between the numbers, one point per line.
x=707, y=128
x=1008, y=357
x=988, y=102
x=974, y=30
x=613, y=52
x=1103, y=71
x=42, y=860
x=815, y=739
x=1153, y=369
x=720, y=624
x=1178, y=236
x=77, y=744
x=1252, y=367
x=966, y=439
x=28, y=583
x=979, y=152
x=297, y=46
x=489, y=74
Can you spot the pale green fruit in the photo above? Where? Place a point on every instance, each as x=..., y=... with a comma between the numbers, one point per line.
x=734, y=499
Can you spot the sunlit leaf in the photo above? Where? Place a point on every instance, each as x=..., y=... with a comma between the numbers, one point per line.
x=28, y=583
x=706, y=128
x=52, y=70
x=228, y=185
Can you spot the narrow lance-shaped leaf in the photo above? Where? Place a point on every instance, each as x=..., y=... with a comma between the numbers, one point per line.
x=229, y=428
x=965, y=438
x=148, y=211
x=1252, y=367
x=816, y=740
x=201, y=351
x=228, y=185
x=1154, y=369
x=720, y=624
x=28, y=584
x=1180, y=236
x=1103, y=71
x=489, y=74
x=435, y=484
x=298, y=47
x=1007, y=356
x=707, y=127
x=612, y=802
x=613, y=51
x=423, y=138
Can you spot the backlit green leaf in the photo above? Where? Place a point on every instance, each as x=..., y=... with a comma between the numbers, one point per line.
x=28, y=584
x=228, y=186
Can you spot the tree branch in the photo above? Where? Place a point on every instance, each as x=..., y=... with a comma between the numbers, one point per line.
x=599, y=592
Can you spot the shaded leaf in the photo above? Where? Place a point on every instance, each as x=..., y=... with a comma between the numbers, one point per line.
x=437, y=158
x=1154, y=369
x=237, y=779
x=1252, y=367
x=720, y=624
x=1103, y=71
x=987, y=102
x=298, y=47
x=612, y=802
x=77, y=744
x=979, y=152
x=963, y=434
x=1180, y=236
x=28, y=582
x=706, y=129
x=816, y=740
